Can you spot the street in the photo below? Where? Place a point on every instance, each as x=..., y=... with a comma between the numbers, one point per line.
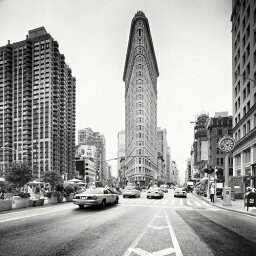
x=136, y=226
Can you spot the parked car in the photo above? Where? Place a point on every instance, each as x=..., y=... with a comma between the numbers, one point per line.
x=180, y=192
x=155, y=192
x=131, y=191
x=96, y=196
x=164, y=188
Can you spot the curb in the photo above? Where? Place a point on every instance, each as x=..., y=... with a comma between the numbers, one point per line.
x=228, y=209
x=14, y=210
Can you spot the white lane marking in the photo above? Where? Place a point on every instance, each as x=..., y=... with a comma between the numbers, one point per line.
x=36, y=209
x=188, y=202
x=173, y=202
x=33, y=214
x=181, y=202
x=139, y=237
x=155, y=227
x=197, y=203
x=173, y=236
x=205, y=203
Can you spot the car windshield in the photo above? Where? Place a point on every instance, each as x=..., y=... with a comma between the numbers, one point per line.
x=93, y=191
x=130, y=188
x=180, y=189
x=154, y=189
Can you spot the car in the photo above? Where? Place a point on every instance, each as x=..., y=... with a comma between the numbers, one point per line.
x=96, y=196
x=180, y=192
x=155, y=192
x=131, y=191
x=164, y=188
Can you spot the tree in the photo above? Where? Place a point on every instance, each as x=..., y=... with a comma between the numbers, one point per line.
x=53, y=178
x=19, y=174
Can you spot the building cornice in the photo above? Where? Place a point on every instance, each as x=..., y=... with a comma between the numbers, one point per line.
x=252, y=109
x=244, y=140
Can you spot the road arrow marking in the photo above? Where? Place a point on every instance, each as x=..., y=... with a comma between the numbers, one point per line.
x=163, y=252
x=155, y=227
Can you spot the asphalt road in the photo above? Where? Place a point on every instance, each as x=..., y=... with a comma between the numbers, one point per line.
x=168, y=226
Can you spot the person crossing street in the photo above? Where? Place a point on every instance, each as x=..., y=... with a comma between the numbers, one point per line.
x=212, y=194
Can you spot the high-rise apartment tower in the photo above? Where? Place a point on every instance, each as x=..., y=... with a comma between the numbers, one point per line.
x=37, y=105
x=140, y=77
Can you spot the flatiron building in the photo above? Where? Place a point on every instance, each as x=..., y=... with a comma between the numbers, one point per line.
x=140, y=77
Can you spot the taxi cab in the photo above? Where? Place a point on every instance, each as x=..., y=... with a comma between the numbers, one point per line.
x=96, y=196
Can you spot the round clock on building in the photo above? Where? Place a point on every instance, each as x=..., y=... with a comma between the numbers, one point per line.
x=226, y=143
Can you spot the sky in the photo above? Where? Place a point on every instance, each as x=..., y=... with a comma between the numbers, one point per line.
x=192, y=42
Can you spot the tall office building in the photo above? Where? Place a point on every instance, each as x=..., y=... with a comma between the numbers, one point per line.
x=168, y=165
x=87, y=136
x=200, y=145
x=37, y=105
x=162, y=152
x=140, y=77
x=120, y=152
x=244, y=90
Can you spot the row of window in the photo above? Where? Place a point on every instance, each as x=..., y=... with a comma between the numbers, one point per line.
x=245, y=129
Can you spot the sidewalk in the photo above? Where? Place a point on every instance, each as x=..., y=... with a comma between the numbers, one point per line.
x=236, y=205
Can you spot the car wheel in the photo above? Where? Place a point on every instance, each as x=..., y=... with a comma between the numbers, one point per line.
x=185, y=196
x=123, y=196
x=81, y=206
x=147, y=196
x=116, y=201
x=103, y=203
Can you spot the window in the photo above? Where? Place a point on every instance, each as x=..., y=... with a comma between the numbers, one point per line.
x=244, y=111
x=221, y=161
x=248, y=126
x=248, y=106
x=244, y=94
x=248, y=89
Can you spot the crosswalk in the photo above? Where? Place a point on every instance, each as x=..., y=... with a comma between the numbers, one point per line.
x=172, y=203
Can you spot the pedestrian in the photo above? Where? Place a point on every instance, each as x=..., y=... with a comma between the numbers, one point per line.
x=212, y=194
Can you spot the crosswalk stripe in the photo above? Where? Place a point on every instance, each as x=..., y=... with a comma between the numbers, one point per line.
x=205, y=203
x=197, y=203
x=181, y=202
x=173, y=202
x=188, y=202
